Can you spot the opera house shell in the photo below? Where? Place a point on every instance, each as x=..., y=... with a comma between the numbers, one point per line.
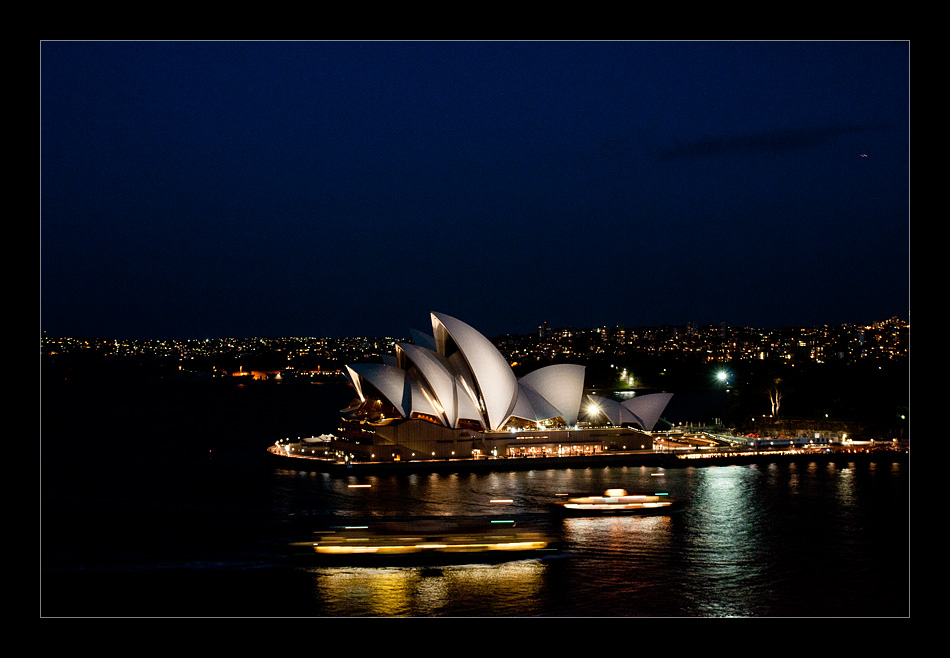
x=453, y=394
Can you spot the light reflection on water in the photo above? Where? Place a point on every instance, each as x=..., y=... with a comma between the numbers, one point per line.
x=724, y=548
x=511, y=588
x=769, y=540
x=812, y=539
x=779, y=539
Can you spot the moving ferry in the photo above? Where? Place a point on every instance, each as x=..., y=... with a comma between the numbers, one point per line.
x=618, y=501
x=448, y=539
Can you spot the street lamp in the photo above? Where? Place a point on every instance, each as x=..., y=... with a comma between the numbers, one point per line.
x=592, y=412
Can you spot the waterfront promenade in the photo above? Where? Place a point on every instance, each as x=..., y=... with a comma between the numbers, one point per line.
x=286, y=457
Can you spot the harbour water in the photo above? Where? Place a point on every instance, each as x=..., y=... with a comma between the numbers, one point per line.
x=160, y=501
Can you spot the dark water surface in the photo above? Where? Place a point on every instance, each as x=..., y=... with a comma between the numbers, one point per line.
x=160, y=500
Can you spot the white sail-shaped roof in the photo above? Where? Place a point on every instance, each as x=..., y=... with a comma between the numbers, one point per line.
x=421, y=339
x=531, y=405
x=524, y=408
x=422, y=401
x=457, y=375
x=562, y=385
x=467, y=409
x=613, y=410
x=434, y=369
x=648, y=408
x=643, y=410
x=469, y=404
x=390, y=381
x=495, y=382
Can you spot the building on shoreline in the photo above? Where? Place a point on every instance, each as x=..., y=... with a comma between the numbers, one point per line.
x=453, y=394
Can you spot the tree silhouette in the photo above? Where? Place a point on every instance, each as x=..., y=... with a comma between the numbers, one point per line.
x=775, y=395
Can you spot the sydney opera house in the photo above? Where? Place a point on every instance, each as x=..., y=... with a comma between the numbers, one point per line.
x=452, y=394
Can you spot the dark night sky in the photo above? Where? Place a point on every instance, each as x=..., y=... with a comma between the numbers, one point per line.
x=211, y=189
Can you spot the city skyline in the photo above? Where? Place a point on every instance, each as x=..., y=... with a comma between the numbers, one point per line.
x=887, y=339
x=202, y=189
x=406, y=332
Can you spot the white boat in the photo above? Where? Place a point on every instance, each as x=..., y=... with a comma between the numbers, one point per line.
x=618, y=501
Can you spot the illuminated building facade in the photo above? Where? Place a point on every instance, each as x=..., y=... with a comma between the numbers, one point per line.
x=453, y=394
